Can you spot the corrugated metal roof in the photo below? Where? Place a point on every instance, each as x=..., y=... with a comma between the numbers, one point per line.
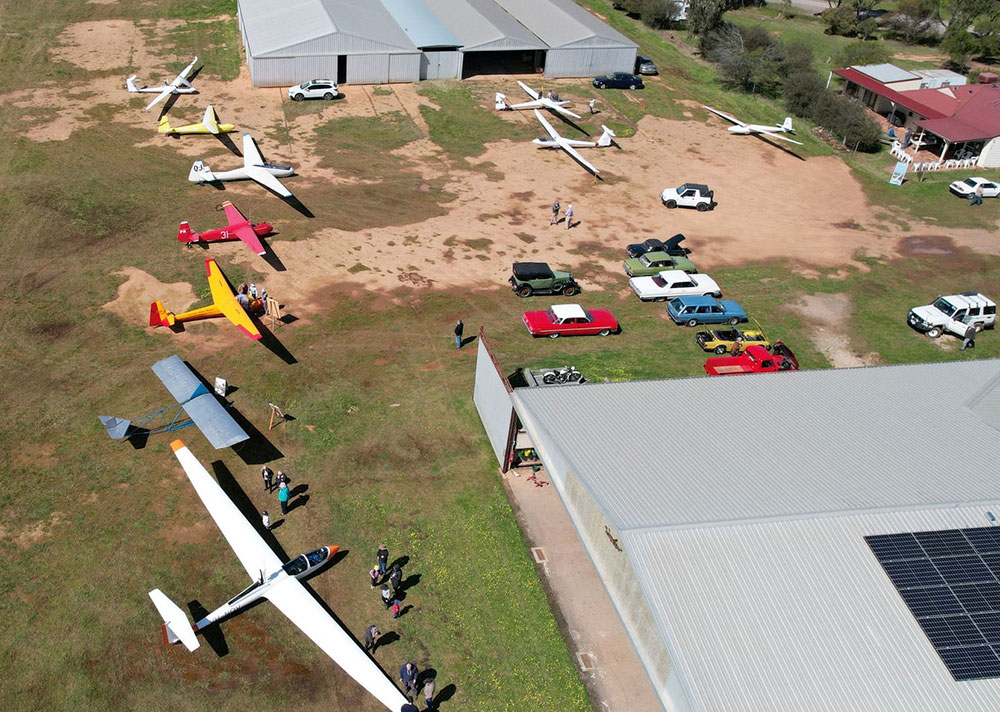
x=274, y=26
x=885, y=72
x=562, y=23
x=484, y=25
x=797, y=616
x=697, y=451
x=421, y=25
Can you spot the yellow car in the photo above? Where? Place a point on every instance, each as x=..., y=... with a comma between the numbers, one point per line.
x=721, y=340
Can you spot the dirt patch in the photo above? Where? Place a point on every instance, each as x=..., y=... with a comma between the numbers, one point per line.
x=829, y=315
x=140, y=289
x=924, y=245
x=30, y=537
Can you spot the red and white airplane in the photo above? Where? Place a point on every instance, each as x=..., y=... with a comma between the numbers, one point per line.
x=239, y=228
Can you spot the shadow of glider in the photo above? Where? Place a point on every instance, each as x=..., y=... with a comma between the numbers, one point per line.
x=193, y=399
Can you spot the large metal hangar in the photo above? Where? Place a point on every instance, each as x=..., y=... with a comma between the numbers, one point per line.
x=833, y=548
x=579, y=44
x=349, y=41
x=493, y=42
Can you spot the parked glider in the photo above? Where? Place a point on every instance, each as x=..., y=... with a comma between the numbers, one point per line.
x=774, y=131
x=223, y=304
x=180, y=85
x=239, y=228
x=278, y=583
x=254, y=168
x=209, y=125
x=193, y=398
x=570, y=145
x=543, y=102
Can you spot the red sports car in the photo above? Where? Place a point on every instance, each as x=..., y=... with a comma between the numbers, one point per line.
x=570, y=320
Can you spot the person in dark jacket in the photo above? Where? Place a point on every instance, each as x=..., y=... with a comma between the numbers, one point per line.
x=383, y=559
x=459, y=328
x=969, y=342
x=408, y=676
x=371, y=638
x=395, y=578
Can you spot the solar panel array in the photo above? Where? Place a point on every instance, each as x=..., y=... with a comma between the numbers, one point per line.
x=951, y=582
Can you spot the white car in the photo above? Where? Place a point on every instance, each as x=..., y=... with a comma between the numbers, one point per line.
x=967, y=187
x=689, y=195
x=954, y=314
x=674, y=283
x=314, y=89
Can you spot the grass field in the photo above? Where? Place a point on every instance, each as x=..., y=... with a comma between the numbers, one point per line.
x=385, y=435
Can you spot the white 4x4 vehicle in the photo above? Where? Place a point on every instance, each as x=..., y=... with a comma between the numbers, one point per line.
x=689, y=195
x=314, y=89
x=954, y=314
x=674, y=283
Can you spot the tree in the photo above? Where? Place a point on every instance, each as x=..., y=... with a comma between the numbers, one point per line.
x=840, y=20
x=801, y=90
x=658, y=13
x=860, y=53
x=913, y=20
x=705, y=16
x=798, y=58
x=748, y=56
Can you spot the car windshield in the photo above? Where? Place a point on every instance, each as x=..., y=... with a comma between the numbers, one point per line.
x=304, y=85
x=552, y=316
x=659, y=281
x=969, y=182
x=943, y=305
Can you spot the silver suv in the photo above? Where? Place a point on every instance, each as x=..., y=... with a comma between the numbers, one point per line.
x=314, y=89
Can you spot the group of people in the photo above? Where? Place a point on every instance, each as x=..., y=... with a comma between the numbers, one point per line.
x=254, y=301
x=390, y=579
x=270, y=482
x=555, y=213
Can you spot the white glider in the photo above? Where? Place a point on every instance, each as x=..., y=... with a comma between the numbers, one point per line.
x=774, y=131
x=180, y=85
x=540, y=101
x=254, y=168
x=569, y=145
x=277, y=583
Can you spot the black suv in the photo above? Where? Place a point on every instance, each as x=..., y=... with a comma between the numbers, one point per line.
x=537, y=278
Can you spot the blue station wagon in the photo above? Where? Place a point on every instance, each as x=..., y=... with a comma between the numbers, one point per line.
x=705, y=310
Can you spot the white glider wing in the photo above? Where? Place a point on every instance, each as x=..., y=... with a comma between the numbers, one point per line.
x=182, y=77
x=267, y=180
x=167, y=90
x=546, y=125
x=727, y=117
x=528, y=90
x=251, y=154
x=292, y=599
x=247, y=544
x=779, y=136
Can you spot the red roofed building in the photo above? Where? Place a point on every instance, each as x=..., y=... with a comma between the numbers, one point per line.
x=957, y=120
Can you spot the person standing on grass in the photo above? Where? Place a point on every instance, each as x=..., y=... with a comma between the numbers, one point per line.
x=459, y=328
x=265, y=520
x=408, y=676
x=267, y=474
x=555, y=212
x=383, y=559
x=395, y=608
x=591, y=105
x=395, y=578
x=976, y=197
x=374, y=575
x=386, y=596
x=283, y=497
x=969, y=342
x=371, y=638
x=282, y=478
x=569, y=215
x=429, y=693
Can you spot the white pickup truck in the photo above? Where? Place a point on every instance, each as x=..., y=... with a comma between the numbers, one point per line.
x=673, y=283
x=953, y=314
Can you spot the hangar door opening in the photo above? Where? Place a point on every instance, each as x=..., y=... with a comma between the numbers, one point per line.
x=342, y=69
x=503, y=62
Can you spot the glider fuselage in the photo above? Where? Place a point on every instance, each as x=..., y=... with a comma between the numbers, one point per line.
x=298, y=567
x=241, y=174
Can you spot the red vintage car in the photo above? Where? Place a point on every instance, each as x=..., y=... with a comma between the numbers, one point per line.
x=570, y=320
x=755, y=359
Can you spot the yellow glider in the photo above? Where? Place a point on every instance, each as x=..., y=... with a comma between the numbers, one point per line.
x=209, y=125
x=224, y=304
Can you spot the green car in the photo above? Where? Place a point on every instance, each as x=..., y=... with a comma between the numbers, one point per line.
x=652, y=263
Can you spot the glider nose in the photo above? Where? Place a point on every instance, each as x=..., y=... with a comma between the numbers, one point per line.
x=332, y=550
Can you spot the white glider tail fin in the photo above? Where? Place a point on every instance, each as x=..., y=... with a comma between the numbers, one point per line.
x=201, y=173
x=131, y=85
x=210, y=121
x=176, y=627
x=605, y=139
x=786, y=125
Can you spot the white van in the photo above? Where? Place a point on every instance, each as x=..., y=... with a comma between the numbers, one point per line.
x=954, y=314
